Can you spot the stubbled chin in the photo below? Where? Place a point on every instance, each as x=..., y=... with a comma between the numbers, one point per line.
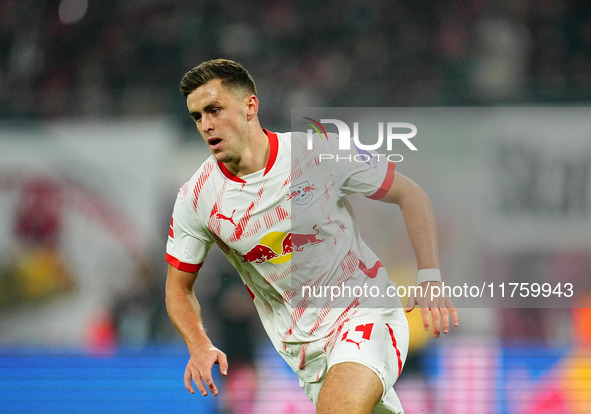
x=220, y=156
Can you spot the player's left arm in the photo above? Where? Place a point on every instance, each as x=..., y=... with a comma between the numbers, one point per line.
x=419, y=219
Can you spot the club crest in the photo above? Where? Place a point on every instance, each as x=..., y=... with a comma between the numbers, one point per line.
x=301, y=193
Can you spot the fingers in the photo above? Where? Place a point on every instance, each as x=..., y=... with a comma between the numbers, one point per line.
x=187, y=378
x=223, y=361
x=410, y=304
x=441, y=318
x=436, y=315
x=425, y=316
x=197, y=379
x=454, y=313
x=200, y=373
x=435, y=308
x=444, y=320
x=208, y=380
x=436, y=312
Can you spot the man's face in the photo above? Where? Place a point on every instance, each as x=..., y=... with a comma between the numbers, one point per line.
x=221, y=116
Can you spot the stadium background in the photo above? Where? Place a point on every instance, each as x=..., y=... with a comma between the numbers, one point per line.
x=95, y=141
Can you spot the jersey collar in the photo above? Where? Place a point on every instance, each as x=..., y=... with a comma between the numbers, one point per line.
x=273, y=149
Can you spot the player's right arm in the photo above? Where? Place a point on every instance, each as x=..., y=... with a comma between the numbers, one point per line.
x=185, y=313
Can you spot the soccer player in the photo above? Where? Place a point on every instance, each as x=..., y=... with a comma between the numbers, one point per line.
x=282, y=219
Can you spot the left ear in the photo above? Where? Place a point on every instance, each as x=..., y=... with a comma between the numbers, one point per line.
x=252, y=106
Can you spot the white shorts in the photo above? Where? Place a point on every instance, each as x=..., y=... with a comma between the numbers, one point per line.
x=380, y=345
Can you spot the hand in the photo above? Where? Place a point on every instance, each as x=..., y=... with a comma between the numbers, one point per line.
x=199, y=369
x=433, y=301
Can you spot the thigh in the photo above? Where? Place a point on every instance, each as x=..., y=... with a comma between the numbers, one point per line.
x=364, y=364
x=349, y=388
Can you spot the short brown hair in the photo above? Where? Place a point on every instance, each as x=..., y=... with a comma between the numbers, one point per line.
x=231, y=73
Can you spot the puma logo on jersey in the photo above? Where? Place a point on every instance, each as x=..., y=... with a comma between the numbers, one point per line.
x=365, y=330
x=358, y=343
x=220, y=216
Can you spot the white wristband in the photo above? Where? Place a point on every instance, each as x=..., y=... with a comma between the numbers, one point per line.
x=428, y=275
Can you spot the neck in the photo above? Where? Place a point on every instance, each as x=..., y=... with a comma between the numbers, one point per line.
x=254, y=157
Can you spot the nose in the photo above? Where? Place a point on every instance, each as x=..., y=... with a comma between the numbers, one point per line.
x=206, y=123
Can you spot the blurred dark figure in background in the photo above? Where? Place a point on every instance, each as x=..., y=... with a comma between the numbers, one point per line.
x=239, y=329
x=34, y=270
x=139, y=318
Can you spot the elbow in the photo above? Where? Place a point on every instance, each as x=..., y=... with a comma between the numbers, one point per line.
x=415, y=195
x=171, y=296
x=168, y=300
x=177, y=292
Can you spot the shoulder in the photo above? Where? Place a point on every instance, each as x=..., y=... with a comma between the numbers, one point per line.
x=300, y=139
x=326, y=142
x=205, y=170
x=201, y=180
x=284, y=139
x=195, y=196
x=205, y=173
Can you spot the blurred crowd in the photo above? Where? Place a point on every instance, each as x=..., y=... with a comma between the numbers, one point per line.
x=112, y=58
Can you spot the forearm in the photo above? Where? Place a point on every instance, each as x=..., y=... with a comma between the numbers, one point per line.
x=420, y=223
x=185, y=313
x=419, y=219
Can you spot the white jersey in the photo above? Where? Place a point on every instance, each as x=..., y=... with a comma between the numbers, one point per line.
x=286, y=229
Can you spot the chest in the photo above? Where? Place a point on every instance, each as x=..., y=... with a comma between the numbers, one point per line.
x=270, y=220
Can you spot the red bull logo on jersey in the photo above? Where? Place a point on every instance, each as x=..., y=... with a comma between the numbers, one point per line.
x=297, y=242
x=259, y=254
x=277, y=247
x=301, y=193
